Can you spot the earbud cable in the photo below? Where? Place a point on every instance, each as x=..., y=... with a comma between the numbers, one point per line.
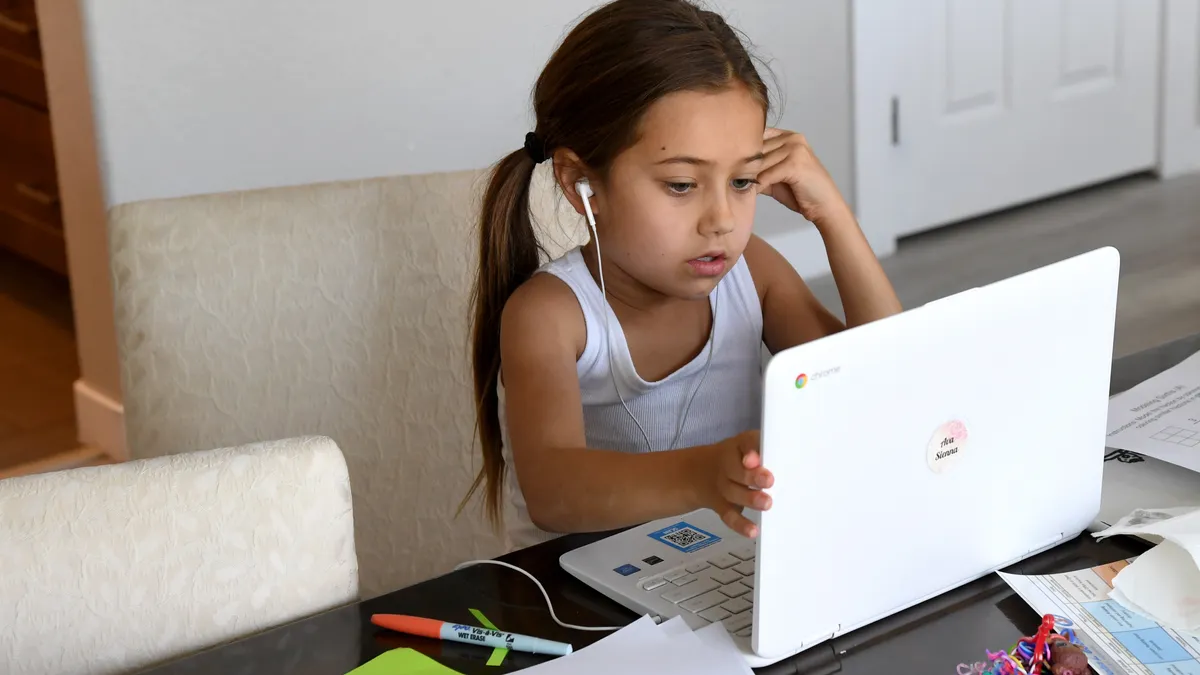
x=587, y=207
x=541, y=588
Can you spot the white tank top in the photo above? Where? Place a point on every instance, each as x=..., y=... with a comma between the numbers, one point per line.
x=728, y=401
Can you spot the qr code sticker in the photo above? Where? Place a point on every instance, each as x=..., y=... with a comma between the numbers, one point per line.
x=685, y=537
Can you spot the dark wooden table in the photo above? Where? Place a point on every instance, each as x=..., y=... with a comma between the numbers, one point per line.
x=929, y=639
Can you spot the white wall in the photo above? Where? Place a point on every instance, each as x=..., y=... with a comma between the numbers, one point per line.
x=200, y=97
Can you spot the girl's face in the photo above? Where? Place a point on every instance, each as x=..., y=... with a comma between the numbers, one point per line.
x=677, y=207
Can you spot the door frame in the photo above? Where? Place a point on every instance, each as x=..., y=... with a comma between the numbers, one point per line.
x=99, y=413
x=1179, y=99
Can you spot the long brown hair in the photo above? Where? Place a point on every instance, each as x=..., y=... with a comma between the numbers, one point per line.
x=590, y=98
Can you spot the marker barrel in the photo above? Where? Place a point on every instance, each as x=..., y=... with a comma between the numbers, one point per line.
x=500, y=639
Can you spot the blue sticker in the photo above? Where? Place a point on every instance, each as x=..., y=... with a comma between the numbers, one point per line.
x=626, y=569
x=684, y=537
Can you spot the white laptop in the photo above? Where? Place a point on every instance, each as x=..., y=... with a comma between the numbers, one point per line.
x=911, y=455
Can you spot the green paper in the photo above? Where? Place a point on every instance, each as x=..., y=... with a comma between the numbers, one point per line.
x=483, y=620
x=498, y=653
x=402, y=662
x=497, y=656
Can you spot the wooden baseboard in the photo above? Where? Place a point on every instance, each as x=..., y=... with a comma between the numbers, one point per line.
x=82, y=456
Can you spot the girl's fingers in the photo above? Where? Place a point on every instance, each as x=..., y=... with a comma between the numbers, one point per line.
x=773, y=144
x=740, y=495
x=755, y=476
x=746, y=462
x=771, y=132
x=782, y=138
x=749, y=472
x=774, y=156
x=738, y=523
x=747, y=443
x=776, y=173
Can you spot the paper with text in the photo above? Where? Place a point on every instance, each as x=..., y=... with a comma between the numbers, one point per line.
x=1118, y=641
x=1161, y=416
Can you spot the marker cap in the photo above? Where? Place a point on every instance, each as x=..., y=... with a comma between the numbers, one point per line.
x=413, y=625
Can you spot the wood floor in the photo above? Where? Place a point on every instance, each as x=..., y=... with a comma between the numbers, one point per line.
x=1154, y=224
x=38, y=366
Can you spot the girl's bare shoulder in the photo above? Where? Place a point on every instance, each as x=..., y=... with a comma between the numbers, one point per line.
x=543, y=313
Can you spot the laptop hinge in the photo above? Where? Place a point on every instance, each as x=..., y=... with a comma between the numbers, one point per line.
x=1052, y=542
x=817, y=639
x=814, y=653
x=821, y=659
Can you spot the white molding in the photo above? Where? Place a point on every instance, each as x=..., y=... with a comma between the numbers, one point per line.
x=101, y=421
x=1179, y=128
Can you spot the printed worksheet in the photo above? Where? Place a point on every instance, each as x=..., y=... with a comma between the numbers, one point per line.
x=1117, y=641
x=1161, y=416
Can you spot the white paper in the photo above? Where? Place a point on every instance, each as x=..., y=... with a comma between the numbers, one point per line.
x=643, y=647
x=677, y=627
x=722, y=652
x=1117, y=640
x=636, y=636
x=1131, y=480
x=1147, y=523
x=1164, y=583
x=1161, y=416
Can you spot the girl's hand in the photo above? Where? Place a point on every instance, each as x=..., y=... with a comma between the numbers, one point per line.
x=732, y=477
x=793, y=175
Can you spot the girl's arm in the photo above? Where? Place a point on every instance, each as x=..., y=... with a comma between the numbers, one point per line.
x=792, y=315
x=794, y=176
x=866, y=293
x=569, y=487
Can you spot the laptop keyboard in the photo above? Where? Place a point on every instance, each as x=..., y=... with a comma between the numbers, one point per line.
x=719, y=588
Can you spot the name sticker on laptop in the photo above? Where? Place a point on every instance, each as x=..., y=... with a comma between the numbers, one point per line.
x=684, y=537
x=947, y=446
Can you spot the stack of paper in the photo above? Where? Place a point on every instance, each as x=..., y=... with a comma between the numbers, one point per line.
x=1163, y=584
x=1115, y=639
x=645, y=647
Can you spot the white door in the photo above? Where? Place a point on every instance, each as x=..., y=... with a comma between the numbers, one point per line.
x=968, y=106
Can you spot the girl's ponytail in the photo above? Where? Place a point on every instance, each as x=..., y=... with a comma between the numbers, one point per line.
x=509, y=254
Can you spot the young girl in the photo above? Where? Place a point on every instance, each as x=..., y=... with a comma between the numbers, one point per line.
x=658, y=105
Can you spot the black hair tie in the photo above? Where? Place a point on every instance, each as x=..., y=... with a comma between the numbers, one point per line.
x=535, y=148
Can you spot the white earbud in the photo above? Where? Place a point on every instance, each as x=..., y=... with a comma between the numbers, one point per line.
x=584, y=189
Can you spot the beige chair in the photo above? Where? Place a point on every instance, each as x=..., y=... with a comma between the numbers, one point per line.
x=338, y=309
x=113, y=568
